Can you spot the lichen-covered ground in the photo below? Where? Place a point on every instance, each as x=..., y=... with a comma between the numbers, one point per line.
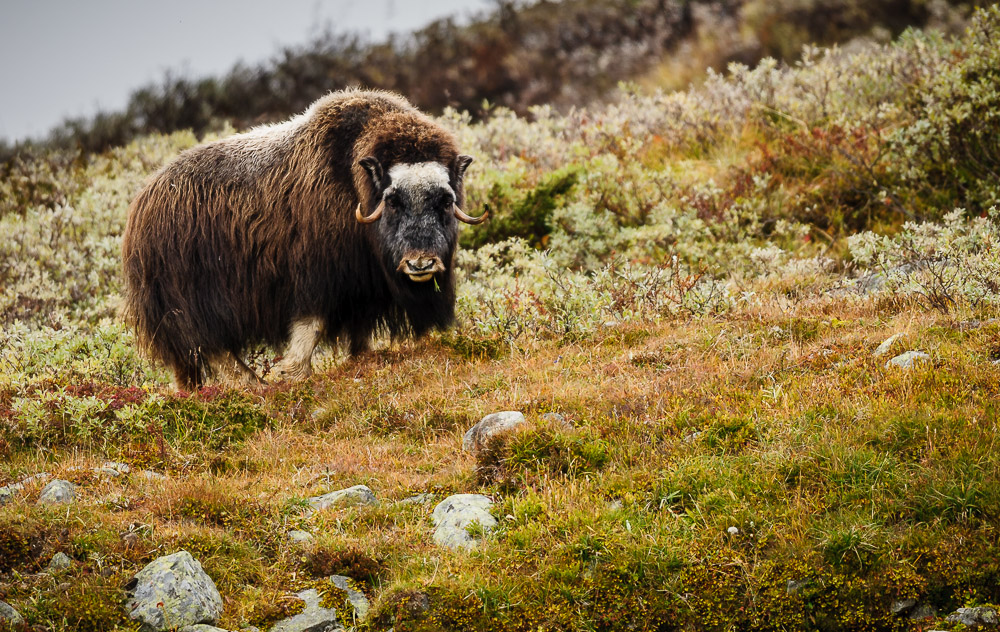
x=697, y=282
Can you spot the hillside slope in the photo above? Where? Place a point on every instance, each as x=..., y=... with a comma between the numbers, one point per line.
x=699, y=284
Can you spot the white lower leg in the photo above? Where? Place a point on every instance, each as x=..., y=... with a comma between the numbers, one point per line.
x=297, y=361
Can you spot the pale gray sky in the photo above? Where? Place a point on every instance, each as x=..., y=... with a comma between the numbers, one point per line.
x=61, y=58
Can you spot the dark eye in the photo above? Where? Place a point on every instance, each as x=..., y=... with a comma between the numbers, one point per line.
x=444, y=198
x=392, y=199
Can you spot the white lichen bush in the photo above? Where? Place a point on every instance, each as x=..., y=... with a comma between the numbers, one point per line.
x=954, y=263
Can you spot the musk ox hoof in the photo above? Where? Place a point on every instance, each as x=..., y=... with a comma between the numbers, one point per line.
x=289, y=372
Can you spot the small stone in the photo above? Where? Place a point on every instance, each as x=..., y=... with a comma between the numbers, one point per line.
x=59, y=562
x=978, y=617
x=7, y=613
x=902, y=606
x=886, y=345
x=171, y=592
x=455, y=514
x=417, y=499
x=732, y=530
x=6, y=495
x=114, y=469
x=201, y=627
x=57, y=492
x=908, y=360
x=924, y=611
x=153, y=476
x=300, y=537
x=350, y=497
x=476, y=436
x=356, y=598
x=792, y=586
x=557, y=420
x=314, y=618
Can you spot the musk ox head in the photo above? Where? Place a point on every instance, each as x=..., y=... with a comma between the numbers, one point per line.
x=415, y=207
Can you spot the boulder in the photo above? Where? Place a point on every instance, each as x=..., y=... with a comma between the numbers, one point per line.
x=172, y=592
x=886, y=345
x=475, y=437
x=979, y=617
x=455, y=514
x=57, y=492
x=908, y=360
x=313, y=618
x=356, y=598
x=59, y=562
x=300, y=537
x=350, y=497
x=7, y=613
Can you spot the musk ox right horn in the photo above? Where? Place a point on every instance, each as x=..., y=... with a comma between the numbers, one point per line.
x=377, y=213
x=468, y=219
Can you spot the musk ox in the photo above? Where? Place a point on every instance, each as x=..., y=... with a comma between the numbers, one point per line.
x=334, y=224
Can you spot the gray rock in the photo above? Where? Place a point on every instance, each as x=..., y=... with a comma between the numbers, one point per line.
x=417, y=499
x=979, y=617
x=356, y=598
x=921, y=612
x=6, y=494
x=902, y=606
x=793, y=586
x=455, y=514
x=201, y=627
x=57, y=492
x=350, y=497
x=153, y=476
x=907, y=360
x=314, y=618
x=59, y=562
x=187, y=594
x=476, y=436
x=300, y=537
x=557, y=420
x=114, y=469
x=886, y=345
x=7, y=613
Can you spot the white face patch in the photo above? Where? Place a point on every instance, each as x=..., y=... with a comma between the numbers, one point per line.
x=419, y=177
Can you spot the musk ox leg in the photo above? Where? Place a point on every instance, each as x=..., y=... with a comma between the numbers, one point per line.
x=187, y=375
x=297, y=361
x=231, y=369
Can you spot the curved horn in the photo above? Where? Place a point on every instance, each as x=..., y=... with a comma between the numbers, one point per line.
x=377, y=213
x=468, y=219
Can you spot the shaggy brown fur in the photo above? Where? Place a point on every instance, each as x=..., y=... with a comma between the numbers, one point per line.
x=236, y=240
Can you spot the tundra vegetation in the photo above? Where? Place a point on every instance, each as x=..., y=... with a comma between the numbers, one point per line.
x=697, y=281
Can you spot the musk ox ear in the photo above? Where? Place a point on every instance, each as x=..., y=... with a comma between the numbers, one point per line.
x=461, y=164
x=374, y=169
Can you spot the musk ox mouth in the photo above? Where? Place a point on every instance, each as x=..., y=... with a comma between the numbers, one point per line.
x=420, y=267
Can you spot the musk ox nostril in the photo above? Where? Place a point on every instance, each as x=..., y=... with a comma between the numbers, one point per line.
x=420, y=265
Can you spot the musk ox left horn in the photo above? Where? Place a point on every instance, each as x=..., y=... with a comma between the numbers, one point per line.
x=377, y=213
x=468, y=219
